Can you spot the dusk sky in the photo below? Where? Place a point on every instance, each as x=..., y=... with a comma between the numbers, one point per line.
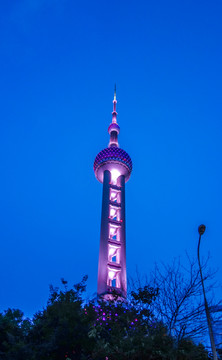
x=59, y=61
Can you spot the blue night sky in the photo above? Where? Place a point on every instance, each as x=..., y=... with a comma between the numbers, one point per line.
x=59, y=60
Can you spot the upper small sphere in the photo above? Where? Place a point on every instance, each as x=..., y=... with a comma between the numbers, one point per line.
x=114, y=127
x=112, y=158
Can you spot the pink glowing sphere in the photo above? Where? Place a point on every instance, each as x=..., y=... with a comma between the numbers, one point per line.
x=114, y=159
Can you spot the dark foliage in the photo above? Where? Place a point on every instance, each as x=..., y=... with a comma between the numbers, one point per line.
x=13, y=334
x=101, y=330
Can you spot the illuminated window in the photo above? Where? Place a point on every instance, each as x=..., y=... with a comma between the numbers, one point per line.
x=114, y=232
x=114, y=254
x=113, y=278
x=115, y=195
x=114, y=213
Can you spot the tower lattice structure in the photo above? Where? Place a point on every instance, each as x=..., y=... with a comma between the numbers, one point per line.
x=112, y=167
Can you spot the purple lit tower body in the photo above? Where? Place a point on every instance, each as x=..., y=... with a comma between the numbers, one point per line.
x=112, y=167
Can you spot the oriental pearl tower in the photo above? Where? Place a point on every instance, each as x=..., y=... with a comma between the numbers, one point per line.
x=112, y=167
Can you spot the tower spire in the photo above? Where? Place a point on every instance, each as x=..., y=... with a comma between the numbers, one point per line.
x=114, y=128
x=114, y=113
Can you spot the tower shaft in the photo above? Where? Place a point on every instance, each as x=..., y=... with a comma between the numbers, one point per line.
x=112, y=254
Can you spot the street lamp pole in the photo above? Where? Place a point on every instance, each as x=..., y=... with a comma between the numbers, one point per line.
x=201, y=230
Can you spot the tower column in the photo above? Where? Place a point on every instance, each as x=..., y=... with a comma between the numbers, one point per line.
x=123, y=278
x=104, y=235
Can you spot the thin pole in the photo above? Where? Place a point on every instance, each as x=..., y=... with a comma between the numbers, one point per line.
x=213, y=347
